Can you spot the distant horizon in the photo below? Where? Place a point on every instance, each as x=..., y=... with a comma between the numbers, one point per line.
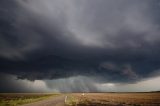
x=71, y=92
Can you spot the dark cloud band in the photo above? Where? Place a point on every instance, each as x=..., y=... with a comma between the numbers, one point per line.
x=115, y=41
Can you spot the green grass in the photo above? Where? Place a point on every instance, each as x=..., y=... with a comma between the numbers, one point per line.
x=71, y=101
x=19, y=99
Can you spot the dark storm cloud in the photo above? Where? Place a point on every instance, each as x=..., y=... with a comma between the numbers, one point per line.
x=116, y=41
x=10, y=83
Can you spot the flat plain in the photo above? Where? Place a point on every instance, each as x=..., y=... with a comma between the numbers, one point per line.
x=80, y=99
x=114, y=99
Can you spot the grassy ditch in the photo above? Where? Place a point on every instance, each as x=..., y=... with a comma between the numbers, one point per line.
x=15, y=99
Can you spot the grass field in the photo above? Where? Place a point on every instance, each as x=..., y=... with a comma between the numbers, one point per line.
x=114, y=99
x=15, y=99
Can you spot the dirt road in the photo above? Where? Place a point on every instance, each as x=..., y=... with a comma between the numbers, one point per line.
x=53, y=101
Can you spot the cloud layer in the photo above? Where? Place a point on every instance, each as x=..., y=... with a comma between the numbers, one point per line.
x=108, y=40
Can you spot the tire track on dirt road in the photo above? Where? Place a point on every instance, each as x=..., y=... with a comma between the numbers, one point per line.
x=53, y=101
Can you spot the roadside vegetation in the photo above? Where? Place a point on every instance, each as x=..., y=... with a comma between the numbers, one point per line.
x=16, y=99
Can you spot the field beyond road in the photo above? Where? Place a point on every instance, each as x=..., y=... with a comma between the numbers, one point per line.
x=114, y=99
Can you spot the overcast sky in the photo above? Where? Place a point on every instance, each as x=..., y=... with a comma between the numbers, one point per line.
x=79, y=45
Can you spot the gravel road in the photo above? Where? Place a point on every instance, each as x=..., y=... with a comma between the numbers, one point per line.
x=53, y=101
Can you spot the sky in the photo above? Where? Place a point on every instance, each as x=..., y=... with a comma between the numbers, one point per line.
x=79, y=45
